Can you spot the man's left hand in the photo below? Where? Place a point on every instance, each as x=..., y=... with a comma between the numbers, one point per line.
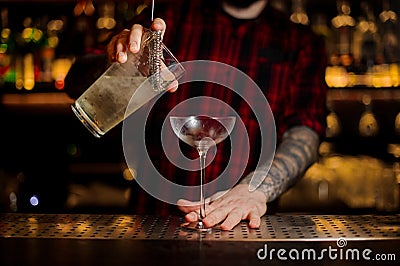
x=230, y=209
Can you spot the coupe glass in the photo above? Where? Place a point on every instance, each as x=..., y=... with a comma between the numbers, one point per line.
x=202, y=132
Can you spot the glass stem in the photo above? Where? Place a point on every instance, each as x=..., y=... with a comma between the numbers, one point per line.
x=202, y=154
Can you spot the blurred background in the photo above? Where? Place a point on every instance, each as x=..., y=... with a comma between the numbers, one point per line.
x=49, y=163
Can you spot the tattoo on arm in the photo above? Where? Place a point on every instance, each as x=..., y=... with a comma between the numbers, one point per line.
x=297, y=151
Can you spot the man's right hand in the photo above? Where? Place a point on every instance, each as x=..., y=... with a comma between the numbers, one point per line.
x=130, y=40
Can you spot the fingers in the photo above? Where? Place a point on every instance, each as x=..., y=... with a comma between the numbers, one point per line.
x=216, y=216
x=192, y=217
x=159, y=25
x=229, y=217
x=130, y=40
x=135, y=38
x=116, y=49
x=121, y=56
x=236, y=205
x=121, y=43
x=234, y=218
x=190, y=208
x=254, y=219
x=137, y=31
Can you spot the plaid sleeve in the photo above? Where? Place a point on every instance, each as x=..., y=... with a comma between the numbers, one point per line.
x=306, y=93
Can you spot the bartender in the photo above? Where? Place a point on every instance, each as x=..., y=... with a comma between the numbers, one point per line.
x=286, y=60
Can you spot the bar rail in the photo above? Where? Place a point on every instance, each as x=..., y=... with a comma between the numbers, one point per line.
x=116, y=239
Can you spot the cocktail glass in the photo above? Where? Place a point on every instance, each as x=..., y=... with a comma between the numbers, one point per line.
x=202, y=132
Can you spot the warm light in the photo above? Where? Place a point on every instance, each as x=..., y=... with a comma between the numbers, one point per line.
x=394, y=74
x=343, y=21
x=53, y=41
x=378, y=76
x=82, y=226
x=345, y=8
x=84, y=6
x=27, y=34
x=363, y=26
x=33, y=225
x=19, y=84
x=55, y=25
x=325, y=148
x=372, y=27
x=19, y=80
x=366, y=99
x=5, y=34
x=29, y=83
x=106, y=23
x=388, y=15
x=333, y=126
x=59, y=84
x=64, y=227
x=368, y=125
x=61, y=67
x=336, y=76
x=29, y=74
x=381, y=76
x=106, y=18
x=394, y=149
x=37, y=35
x=129, y=174
x=300, y=18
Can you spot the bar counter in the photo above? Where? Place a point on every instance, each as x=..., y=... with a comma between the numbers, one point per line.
x=99, y=239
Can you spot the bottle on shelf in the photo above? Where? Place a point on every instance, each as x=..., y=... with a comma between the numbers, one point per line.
x=341, y=58
x=7, y=49
x=299, y=14
x=344, y=24
x=390, y=33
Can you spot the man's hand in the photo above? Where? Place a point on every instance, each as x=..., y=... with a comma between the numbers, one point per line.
x=130, y=40
x=234, y=206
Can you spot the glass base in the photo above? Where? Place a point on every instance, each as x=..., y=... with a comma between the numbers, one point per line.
x=196, y=226
x=86, y=121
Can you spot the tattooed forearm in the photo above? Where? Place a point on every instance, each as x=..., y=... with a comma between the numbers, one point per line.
x=298, y=150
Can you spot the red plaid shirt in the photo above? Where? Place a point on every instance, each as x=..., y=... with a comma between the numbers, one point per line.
x=287, y=61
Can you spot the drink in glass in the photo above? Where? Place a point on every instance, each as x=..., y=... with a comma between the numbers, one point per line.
x=202, y=132
x=123, y=88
